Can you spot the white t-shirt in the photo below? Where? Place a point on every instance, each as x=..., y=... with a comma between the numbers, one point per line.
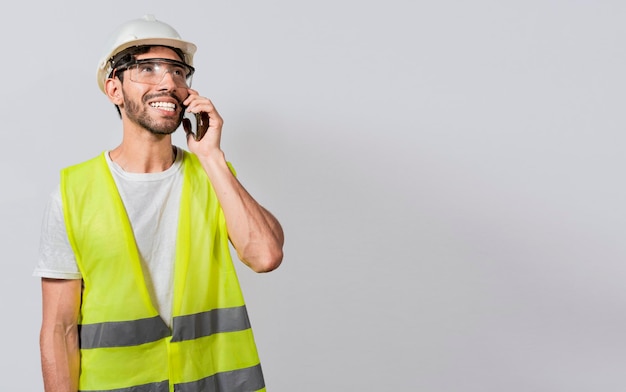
x=152, y=203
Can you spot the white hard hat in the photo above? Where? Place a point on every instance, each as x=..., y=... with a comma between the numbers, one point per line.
x=137, y=32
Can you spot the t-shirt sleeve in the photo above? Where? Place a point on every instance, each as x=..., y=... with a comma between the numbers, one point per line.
x=56, y=256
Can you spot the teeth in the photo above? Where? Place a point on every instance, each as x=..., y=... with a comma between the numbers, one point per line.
x=163, y=105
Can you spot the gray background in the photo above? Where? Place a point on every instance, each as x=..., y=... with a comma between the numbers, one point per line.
x=448, y=174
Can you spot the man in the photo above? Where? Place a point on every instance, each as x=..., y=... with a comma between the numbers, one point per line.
x=139, y=290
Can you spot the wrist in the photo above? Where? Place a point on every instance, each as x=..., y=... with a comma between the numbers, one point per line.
x=214, y=161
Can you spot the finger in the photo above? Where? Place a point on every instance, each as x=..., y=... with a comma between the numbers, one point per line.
x=192, y=95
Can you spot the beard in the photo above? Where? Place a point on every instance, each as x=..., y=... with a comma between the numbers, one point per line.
x=138, y=113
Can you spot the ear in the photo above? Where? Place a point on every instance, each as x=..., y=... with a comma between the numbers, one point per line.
x=113, y=90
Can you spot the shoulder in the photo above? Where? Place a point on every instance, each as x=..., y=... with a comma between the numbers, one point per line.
x=86, y=165
x=81, y=178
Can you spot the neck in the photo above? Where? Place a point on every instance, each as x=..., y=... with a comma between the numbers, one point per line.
x=144, y=158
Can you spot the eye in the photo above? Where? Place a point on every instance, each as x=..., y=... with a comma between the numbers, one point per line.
x=146, y=68
x=179, y=71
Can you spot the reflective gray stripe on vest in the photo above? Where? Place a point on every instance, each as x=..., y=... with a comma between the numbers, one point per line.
x=162, y=386
x=197, y=325
x=241, y=380
x=122, y=333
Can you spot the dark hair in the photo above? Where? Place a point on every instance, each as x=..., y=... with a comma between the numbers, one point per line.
x=127, y=56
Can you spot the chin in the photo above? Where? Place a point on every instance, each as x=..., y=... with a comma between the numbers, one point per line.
x=163, y=128
x=163, y=132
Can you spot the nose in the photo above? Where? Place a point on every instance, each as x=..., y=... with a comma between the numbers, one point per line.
x=167, y=81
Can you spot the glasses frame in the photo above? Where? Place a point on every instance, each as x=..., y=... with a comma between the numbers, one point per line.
x=128, y=66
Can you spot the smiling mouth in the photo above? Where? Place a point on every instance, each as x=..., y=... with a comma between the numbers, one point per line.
x=164, y=106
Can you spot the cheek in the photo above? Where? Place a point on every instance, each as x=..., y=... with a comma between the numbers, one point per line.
x=182, y=93
x=133, y=92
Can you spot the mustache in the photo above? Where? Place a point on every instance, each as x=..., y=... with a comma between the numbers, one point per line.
x=149, y=97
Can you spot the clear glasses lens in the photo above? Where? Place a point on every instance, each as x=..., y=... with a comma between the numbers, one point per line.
x=152, y=71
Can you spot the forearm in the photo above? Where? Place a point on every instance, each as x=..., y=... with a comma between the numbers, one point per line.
x=256, y=234
x=60, y=358
x=58, y=340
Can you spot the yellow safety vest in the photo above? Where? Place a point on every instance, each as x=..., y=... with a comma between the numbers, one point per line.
x=124, y=343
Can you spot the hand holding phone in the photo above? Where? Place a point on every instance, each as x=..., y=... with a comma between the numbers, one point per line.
x=196, y=124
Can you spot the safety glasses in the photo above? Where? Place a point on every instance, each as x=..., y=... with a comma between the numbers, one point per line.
x=152, y=71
